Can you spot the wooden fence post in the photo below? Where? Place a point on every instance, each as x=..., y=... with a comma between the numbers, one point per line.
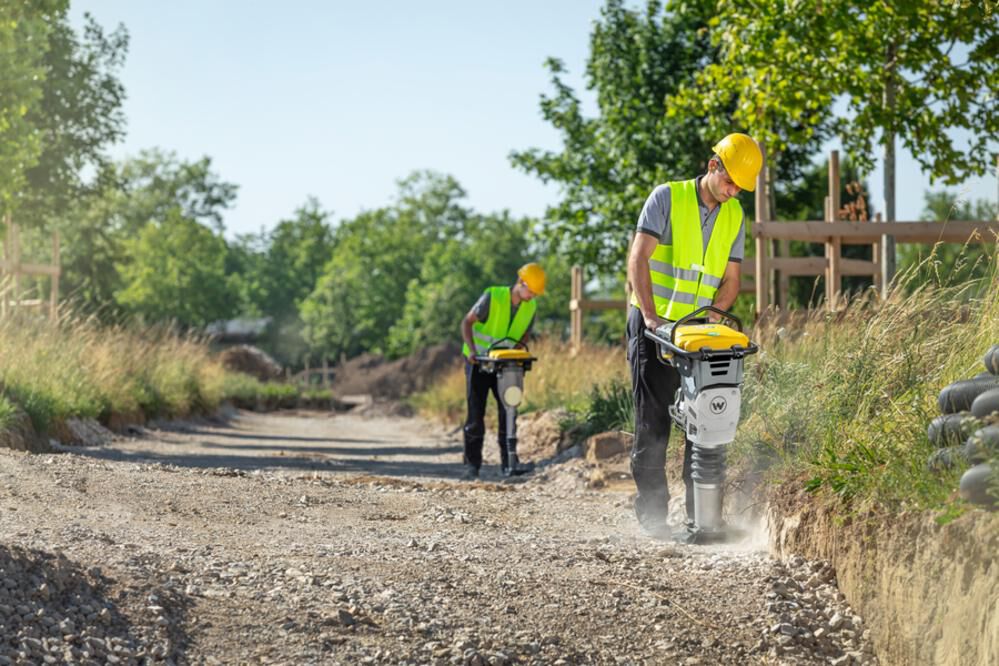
x=576, y=309
x=834, y=244
x=54, y=287
x=762, y=215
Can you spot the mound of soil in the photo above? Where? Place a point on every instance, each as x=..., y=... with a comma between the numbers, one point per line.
x=252, y=361
x=382, y=379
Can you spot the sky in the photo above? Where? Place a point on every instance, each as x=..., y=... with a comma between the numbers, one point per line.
x=340, y=100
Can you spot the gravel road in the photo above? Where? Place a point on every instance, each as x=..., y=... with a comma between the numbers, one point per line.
x=309, y=538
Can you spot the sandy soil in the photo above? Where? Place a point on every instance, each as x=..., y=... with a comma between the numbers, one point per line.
x=319, y=538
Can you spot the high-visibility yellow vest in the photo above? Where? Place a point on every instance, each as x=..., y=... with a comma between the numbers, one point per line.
x=685, y=276
x=498, y=326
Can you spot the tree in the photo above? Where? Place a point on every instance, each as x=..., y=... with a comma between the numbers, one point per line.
x=298, y=249
x=78, y=116
x=638, y=63
x=176, y=272
x=151, y=188
x=453, y=275
x=24, y=31
x=274, y=271
x=375, y=257
x=894, y=64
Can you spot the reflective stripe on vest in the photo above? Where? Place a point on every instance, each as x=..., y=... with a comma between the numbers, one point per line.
x=497, y=326
x=684, y=275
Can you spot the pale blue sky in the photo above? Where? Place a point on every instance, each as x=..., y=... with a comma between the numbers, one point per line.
x=341, y=99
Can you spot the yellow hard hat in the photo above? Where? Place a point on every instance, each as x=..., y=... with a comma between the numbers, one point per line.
x=534, y=277
x=742, y=158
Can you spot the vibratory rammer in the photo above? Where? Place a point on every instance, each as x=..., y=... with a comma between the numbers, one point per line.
x=709, y=359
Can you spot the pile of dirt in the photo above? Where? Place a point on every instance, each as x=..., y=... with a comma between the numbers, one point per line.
x=382, y=379
x=252, y=361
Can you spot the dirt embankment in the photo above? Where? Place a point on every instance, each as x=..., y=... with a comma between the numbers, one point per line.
x=930, y=592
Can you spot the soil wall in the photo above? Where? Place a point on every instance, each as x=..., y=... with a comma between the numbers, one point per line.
x=929, y=592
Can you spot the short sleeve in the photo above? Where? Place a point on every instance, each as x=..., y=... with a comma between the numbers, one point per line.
x=738, y=251
x=481, y=307
x=654, y=219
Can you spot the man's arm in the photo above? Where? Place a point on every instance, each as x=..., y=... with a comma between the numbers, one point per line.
x=466, y=333
x=638, y=273
x=728, y=291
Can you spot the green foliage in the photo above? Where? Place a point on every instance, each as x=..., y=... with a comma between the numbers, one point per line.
x=782, y=64
x=274, y=271
x=151, y=188
x=176, y=272
x=247, y=392
x=610, y=407
x=7, y=412
x=78, y=117
x=847, y=398
x=453, y=275
x=402, y=276
x=25, y=28
x=608, y=165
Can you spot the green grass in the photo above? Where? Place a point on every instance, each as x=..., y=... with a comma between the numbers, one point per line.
x=250, y=393
x=845, y=400
x=7, y=412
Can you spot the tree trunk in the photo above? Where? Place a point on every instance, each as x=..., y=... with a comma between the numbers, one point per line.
x=887, y=240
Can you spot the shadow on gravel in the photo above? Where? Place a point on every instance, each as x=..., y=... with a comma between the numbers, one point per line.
x=279, y=438
x=53, y=607
x=341, y=450
x=288, y=461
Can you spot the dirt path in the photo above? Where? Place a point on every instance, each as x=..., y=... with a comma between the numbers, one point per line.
x=311, y=538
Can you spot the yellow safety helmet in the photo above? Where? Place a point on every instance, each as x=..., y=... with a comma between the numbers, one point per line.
x=534, y=277
x=742, y=158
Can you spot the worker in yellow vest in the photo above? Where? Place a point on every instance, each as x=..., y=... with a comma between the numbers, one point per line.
x=501, y=318
x=687, y=254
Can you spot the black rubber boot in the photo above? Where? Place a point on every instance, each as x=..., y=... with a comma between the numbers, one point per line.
x=515, y=468
x=471, y=473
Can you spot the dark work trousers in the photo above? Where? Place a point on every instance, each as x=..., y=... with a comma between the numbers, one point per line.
x=653, y=385
x=478, y=386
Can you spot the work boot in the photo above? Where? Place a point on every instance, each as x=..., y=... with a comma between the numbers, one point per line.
x=471, y=473
x=514, y=468
x=657, y=529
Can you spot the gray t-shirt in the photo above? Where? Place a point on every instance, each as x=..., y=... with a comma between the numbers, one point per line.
x=655, y=221
x=481, y=310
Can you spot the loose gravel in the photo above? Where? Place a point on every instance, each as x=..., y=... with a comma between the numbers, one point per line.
x=314, y=546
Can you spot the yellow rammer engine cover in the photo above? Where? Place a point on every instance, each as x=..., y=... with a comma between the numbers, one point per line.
x=692, y=337
x=509, y=354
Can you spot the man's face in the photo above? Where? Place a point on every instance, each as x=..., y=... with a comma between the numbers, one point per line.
x=720, y=184
x=523, y=291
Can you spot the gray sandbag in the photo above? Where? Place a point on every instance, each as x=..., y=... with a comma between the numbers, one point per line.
x=958, y=396
x=975, y=486
x=952, y=429
x=986, y=403
x=983, y=444
x=946, y=458
x=992, y=359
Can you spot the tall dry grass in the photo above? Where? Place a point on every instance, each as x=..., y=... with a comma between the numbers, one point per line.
x=78, y=367
x=845, y=399
x=559, y=379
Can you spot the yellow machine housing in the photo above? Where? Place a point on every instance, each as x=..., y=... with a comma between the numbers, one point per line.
x=509, y=354
x=693, y=337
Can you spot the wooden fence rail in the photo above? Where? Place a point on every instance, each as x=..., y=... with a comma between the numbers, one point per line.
x=772, y=256
x=12, y=265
